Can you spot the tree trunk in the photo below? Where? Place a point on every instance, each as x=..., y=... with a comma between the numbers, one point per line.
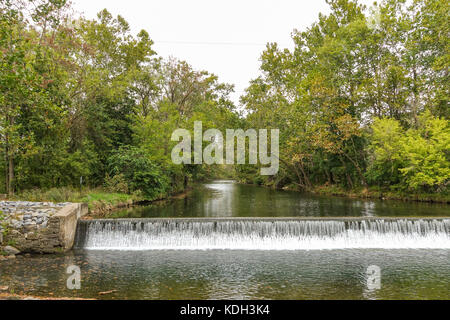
x=358, y=169
x=6, y=170
x=11, y=176
x=305, y=176
x=294, y=168
x=328, y=177
x=9, y=160
x=347, y=176
x=300, y=181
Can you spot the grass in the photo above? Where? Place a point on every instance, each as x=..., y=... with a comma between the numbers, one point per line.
x=64, y=194
x=97, y=199
x=101, y=201
x=112, y=198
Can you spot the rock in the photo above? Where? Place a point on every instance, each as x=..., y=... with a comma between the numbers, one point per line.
x=11, y=250
x=4, y=288
x=2, y=258
x=15, y=233
x=11, y=257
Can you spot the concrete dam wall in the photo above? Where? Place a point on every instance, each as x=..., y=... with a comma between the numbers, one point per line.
x=263, y=234
x=41, y=227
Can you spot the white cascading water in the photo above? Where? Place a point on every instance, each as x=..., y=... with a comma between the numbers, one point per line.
x=262, y=234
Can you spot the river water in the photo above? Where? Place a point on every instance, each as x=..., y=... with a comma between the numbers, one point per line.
x=230, y=199
x=244, y=258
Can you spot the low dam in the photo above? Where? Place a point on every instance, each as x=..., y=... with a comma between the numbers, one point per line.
x=263, y=234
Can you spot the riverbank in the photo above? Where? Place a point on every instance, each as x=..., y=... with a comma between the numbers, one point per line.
x=373, y=193
x=102, y=209
x=100, y=202
x=363, y=193
x=98, y=199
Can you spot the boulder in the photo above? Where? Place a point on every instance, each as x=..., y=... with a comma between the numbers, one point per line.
x=11, y=250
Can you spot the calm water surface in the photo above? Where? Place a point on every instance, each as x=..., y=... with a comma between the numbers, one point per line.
x=333, y=274
x=229, y=199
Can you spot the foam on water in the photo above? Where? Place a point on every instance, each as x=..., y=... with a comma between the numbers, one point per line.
x=262, y=234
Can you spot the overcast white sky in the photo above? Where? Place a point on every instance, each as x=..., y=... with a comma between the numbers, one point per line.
x=223, y=37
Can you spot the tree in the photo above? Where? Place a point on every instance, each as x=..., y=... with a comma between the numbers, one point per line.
x=348, y=69
x=426, y=154
x=17, y=78
x=415, y=159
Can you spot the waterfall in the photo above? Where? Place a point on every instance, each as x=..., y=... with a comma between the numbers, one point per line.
x=262, y=234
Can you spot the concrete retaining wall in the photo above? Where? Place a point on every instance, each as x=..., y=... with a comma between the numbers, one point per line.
x=57, y=236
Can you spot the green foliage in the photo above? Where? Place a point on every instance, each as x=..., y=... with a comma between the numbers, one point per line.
x=82, y=98
x=361, y=101
x=116, y=184
x=95, y=197
x=386, y=149
x=348, y=69
x=91, y=196
x=416, y=159
x=426, y=152
x=63, y=194
x=139, y=172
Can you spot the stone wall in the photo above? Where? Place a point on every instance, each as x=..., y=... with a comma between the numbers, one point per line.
x=55, y=234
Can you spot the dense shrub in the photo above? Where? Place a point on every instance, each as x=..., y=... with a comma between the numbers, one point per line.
x=416, y=159
x=139, y=172
x=116, y=184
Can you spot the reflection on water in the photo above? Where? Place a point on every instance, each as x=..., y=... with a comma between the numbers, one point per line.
x=335, y=274
x=222, y=194
x=229, y=199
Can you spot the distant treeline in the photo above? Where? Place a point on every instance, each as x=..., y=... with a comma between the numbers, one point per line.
x=362, y=100
x=86, y=98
